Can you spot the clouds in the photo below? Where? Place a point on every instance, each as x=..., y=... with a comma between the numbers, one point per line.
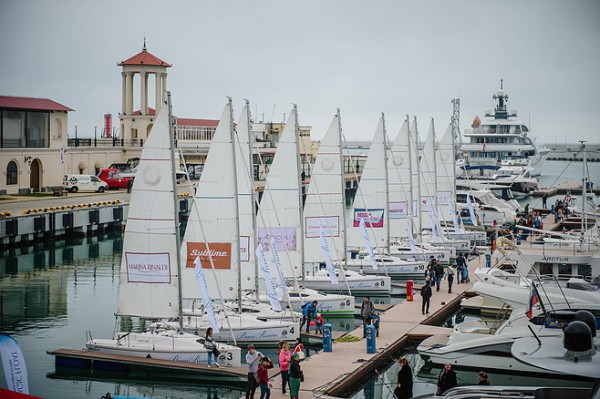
x=363, y=57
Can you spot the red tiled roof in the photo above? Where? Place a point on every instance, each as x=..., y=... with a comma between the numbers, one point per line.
x=144, y=58
x=197, y=122
x=39, y=104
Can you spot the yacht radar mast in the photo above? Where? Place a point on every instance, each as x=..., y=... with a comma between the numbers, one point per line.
x=500, y=111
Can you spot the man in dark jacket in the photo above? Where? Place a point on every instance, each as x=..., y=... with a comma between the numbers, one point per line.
x=446, y=379
x=309, y=310
x=366, y=310
x=426, y=294
x=438, y=269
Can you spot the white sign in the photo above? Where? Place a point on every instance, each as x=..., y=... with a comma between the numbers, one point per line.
x=443, y=197
x=148, y=267
x=244, y=249
x=398, y=210
x=329, y=224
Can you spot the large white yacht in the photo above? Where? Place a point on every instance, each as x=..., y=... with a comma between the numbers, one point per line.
x=501, y=137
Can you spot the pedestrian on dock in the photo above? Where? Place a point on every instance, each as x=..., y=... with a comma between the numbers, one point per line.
x=285, y=358
x=366, y=310
x=309, y=309
x=438, y=270
x=429, y=274
x=296, y=376
x=450, y=277
x=375, y=320
x=405, y=381
x=461, y=265
x=483, y=378
x=319, y=322
x=299, y=348
x=545, y=201
x=446, y=379
x=426, y=294
x=252, y=360
x=211, y=347
x=263, y=377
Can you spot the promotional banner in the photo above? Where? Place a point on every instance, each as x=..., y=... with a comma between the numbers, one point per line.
x=219, y=251
x=279, y=277
x=365, y=235
x=148, y=267
x=328, y=260
x=411, y=239
x=208, y=306
x=455, y=222
x=373, y=217
x=329, y=224
x=269, y=283
x=398, y=210
x=471, y=211
x=283, y=237
x=434, y=230
x=13, y=363
x=244, y=248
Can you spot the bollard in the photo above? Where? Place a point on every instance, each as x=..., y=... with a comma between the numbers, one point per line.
x=327, y=338
x=409, y=290
x=371, y=344
x=488, y=261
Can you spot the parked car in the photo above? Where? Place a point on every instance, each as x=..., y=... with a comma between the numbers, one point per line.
x=113, y=178
x=75, y=183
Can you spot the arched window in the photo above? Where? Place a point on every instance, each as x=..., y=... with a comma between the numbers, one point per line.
x=11, y=173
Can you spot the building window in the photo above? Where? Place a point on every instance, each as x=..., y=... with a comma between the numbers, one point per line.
x=22, y=129
x=13, y=129
x=11, y=173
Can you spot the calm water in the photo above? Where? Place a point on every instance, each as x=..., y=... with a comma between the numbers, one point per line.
x=51, y=295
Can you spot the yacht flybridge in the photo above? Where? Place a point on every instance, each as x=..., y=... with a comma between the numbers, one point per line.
x=501, y=137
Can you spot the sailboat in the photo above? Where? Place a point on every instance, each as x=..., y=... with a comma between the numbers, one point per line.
x=150, y=273
x=324, y=214
x=279, y=219
x=372, y=205
x=221, y=224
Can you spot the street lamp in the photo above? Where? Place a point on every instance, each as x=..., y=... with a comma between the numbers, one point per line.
x=95, y=139
x=76, y=141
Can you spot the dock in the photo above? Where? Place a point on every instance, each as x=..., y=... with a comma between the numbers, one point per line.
x=573, y=187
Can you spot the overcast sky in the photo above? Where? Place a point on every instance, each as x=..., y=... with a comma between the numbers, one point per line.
x=364, y=57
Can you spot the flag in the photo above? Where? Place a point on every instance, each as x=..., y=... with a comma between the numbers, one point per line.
x=411, y=239
x=328, y=261
x=208, y=306
x=365, y=234
x=269, y=283
x=533, y=300
x=471, y=211
x=13, y=362
x=455, y=221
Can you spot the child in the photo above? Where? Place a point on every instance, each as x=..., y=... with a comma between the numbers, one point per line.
x=375, y=319
x=299, y=348
x=263, y=377
x=319, y=324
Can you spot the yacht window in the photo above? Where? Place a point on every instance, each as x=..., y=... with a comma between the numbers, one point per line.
x=546, y=268
x=524, y=128
x=493, y=129
x=517, y=129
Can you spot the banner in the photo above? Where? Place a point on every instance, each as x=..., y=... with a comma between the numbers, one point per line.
x=13, y=363
x=220, y=252
x=148, y=267
x=455, y=222
x=330, y=225
x=411, y=239
x=373, y=217
x=434, y=230
x=269, y=283
x=398, y=210
x=471, y=211
x=284, y=238
x=279, y=277
x=365, y=234
x=244, y=248
x=208, y=306
x=328, y=260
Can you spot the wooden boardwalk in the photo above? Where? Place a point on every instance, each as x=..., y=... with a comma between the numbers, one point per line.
x=573, y=187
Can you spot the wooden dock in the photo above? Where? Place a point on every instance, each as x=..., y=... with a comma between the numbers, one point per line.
x=571, y=187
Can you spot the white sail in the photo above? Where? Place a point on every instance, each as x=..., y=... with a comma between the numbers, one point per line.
x=324, y=205
x=415, y=171
x=400, y=188
x=446, y=181
x=428, y=181
x=214, y=207
x=148, y=275
x=245, y=199
x=279, y=209
x=370, y=201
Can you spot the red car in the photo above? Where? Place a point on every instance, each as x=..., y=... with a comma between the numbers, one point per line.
x=114, y=180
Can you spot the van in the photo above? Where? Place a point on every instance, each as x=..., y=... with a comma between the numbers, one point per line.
x=75, y=183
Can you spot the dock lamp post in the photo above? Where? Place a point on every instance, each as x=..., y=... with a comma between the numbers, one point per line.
x=76, y=141
x=95, y=136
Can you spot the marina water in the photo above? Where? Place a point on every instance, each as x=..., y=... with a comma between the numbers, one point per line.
x=51, y=294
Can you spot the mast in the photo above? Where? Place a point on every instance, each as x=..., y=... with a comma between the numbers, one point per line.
x=254, y=243
x=410, y=201
x=387, y=188
x=176, y=208
x=344, y=227
x=583, y=192
x=415, y=144
x=236, y=246
x=300, y=193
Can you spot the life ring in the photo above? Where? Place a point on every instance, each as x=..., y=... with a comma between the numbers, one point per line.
x=567, y=198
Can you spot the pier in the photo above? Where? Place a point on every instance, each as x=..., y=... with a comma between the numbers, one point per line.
x=573, y=187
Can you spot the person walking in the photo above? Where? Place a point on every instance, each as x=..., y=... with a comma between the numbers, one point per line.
x=263, y=377
x=375, y=320
x=366, y=309
x=309, y=309
x=429, y=274
x=211, y=347
x=438, y=270
x=285, y=357
x=296, y=376
x=405, y=380
x=426, y=294
x=483, y=378
x=319, y=323
x=252, y=360
x=450, y=277
x=299, y=348
x=446, y=379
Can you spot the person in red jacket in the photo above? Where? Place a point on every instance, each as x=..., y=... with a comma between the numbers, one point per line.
x=263, y=377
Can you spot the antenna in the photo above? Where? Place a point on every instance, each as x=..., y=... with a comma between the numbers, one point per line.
x=455, y=120
x=144, y=48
